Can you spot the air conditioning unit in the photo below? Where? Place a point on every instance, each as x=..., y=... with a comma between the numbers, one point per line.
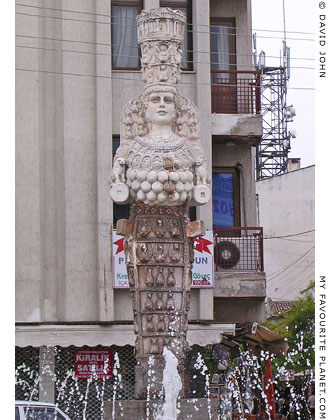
x=227, y=254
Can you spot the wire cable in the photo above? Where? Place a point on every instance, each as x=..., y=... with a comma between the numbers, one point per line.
x=293, y=234
x=134, y=19
x=292, y=287
x=298, y=240
x=229, y=33
x=126, y=78
x=294, y=271
x=282, y=251
x=290, y=265
x=136, y=46
x=138, y=57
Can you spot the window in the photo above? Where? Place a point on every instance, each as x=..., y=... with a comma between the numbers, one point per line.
x=223, y=66
x=223, y=44
x=185, y=7
x=225, y=197
x=120, y=211
x=40, y=413
x=125, y=51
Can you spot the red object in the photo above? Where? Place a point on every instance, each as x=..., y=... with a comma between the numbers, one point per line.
x=201, y=245
x=93, y=364
x=120, y=245
x=235, y=92
x=269, y=389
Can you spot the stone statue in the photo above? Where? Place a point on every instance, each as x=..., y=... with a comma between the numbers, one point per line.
x=161, y=170
x=160, y=148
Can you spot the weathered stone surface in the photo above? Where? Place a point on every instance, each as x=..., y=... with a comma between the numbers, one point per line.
x=124, y=227
x=236, y=125
x=159, y=256
x=240, y=284
x=195, y=229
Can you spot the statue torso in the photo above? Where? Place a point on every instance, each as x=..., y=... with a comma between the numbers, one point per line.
x=158, y=154
x=160, y=170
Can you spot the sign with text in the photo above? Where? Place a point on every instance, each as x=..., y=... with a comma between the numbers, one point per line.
x=202, y=269
x=93, y=364
x=287, y=375
x=120, y=278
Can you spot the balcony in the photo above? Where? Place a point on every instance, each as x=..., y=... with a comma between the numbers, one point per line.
x=238, y=248
x=239, y=279
x=235, y=92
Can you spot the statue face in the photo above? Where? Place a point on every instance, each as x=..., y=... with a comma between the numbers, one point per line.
x=160, y=108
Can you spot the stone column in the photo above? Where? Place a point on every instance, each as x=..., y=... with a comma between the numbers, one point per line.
x=47, y=374
x=201, y=52
x=104, y=158
x=161, y=169
x=159, y=254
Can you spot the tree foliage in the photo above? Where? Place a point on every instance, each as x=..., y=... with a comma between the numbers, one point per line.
x=298, y=327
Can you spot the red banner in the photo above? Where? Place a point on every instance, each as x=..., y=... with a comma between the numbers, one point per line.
x=269, y=389
x=93, y=364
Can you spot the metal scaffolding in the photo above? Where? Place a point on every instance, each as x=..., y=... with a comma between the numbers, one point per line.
x=272, y=152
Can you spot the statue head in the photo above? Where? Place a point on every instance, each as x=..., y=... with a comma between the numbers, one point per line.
x=160, y=108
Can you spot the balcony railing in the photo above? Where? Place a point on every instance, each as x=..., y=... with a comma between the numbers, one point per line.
x=238, y=248
x=235, y=92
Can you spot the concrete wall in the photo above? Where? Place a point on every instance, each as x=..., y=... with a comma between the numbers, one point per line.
x=286, y=209
x=62, y=161
x=239, y=310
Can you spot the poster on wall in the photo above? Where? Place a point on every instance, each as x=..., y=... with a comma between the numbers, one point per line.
x=223, y=199
x=120, y=278
x=92, y=364
x=202, y=269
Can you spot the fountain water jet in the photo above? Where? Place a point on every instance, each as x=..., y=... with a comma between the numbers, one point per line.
x=172, y=385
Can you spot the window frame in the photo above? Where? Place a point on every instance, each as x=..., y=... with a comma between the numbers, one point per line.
x=188, y=5
x=133, y=3
x=231, y=22
x=236, y=195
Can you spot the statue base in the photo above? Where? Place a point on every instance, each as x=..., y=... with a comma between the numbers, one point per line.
x=192, y=408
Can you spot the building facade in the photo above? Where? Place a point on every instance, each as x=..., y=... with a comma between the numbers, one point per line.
x=287, y=213
x=77, y=66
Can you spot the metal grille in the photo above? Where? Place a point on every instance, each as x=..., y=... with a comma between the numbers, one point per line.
x=27, y=373
x=84, y=399
x=272, y=152
x=238, y=248
x=235, y=92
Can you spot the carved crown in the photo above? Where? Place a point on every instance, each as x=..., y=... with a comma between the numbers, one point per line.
x=160, y=37
x=161, y=24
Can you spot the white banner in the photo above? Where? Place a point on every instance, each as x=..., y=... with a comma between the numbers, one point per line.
x=120, y=278
x=202, y=269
